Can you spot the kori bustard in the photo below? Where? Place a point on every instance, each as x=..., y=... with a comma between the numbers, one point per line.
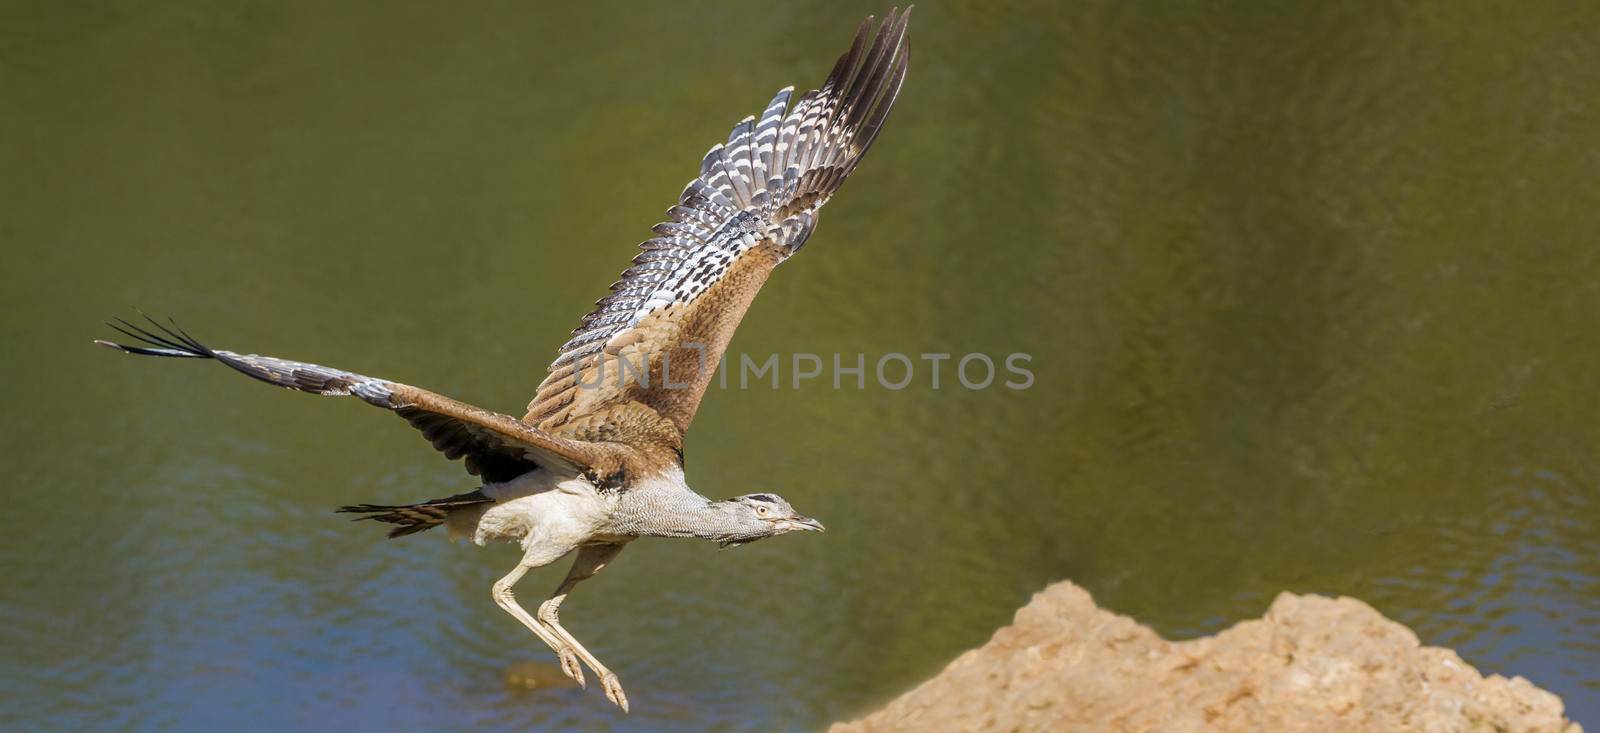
x=597, y=460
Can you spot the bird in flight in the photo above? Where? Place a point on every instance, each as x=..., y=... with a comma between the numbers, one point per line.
x=597, y=461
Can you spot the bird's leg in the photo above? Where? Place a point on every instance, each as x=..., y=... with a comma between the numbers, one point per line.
x=504, y=598
x=591, y=558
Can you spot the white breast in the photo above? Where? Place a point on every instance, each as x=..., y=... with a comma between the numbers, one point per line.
x=538, y=507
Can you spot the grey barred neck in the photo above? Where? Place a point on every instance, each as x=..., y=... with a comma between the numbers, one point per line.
x=680, y=512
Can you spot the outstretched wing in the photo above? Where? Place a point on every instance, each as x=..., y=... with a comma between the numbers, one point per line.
x=494, y=446
x=652, y=345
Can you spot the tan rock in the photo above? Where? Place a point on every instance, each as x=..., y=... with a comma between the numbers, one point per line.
x=1310, y=664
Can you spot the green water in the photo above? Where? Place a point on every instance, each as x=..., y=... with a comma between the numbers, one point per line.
x=1310, y=296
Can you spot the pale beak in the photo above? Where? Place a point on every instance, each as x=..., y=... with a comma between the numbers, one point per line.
x=806, y=523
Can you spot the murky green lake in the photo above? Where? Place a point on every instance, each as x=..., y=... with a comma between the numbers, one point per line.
x=1310, y=296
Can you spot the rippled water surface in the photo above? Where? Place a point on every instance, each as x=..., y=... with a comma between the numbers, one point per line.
x=1310, y=296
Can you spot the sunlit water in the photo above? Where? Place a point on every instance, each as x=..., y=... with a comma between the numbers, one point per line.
x=1310, y=298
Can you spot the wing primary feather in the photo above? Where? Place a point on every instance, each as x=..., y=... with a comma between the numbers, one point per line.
x=139, y=334
x=869, y=82
x=880, y=48
x=880, y=113
x=171, y=332
x=146, y=351
x=836, y=90
x=847, y=61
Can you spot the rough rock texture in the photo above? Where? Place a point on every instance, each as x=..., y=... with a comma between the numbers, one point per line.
x=1310, y=664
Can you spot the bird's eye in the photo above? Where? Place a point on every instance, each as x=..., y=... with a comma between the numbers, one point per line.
x=761, y=511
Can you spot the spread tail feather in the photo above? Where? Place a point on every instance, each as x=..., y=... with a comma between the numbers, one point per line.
x=413, y=518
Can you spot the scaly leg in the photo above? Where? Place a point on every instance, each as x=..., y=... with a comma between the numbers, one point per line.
x=591, y=558
x=505, y=599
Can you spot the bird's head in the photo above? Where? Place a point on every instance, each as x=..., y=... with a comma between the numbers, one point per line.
x=766, y=515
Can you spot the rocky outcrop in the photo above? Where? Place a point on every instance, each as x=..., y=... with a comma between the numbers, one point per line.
x=1310, y=664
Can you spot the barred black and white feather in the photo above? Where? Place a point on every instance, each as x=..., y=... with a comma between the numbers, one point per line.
x=413, y=518
x=764, y=184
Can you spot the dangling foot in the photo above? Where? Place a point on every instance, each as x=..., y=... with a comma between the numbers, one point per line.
x=571, y=667
x=613, y=690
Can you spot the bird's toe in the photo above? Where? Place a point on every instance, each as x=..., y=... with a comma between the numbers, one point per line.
x=614, y=691
x=570, y=666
